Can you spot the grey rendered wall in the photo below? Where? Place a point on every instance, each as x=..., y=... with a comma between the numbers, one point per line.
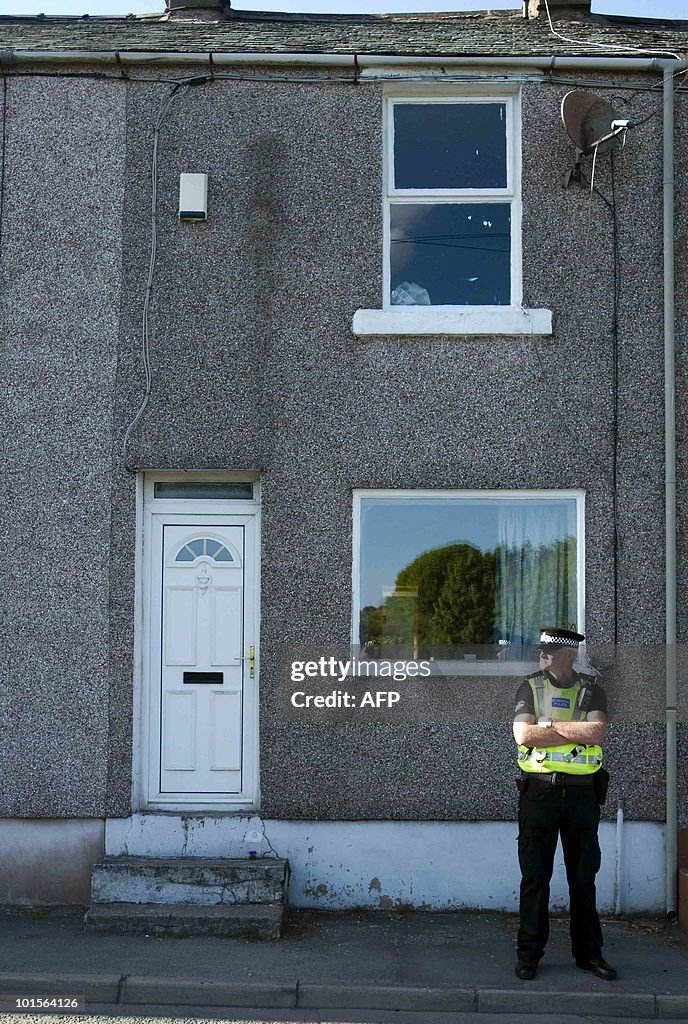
x=255, y=367
x=60, y=293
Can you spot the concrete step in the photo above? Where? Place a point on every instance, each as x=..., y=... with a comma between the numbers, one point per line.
x=248, y=921
x=195, y=881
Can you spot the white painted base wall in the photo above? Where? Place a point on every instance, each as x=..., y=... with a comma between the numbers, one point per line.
x=430, y=865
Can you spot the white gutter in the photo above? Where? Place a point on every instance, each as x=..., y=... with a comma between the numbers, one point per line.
x=171, y=57
x=546, y=63
x=329, y=59
x=670, y=68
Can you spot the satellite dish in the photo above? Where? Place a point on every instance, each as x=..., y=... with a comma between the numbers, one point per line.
x=591, y=123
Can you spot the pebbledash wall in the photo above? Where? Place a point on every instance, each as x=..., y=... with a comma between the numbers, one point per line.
x=256, y=367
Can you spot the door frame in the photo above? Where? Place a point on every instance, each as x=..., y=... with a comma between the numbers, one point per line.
x=147, y=505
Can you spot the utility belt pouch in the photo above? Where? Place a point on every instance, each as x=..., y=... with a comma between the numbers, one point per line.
x=601, y=783
x=522, y=784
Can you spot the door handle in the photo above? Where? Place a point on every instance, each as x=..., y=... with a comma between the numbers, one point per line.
x=251, y=659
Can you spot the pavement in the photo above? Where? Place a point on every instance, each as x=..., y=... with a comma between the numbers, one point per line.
x=346, y=965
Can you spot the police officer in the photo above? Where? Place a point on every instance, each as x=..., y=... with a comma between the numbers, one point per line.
x=559, y=724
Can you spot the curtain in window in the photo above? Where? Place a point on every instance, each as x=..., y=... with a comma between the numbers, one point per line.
x=536, y=573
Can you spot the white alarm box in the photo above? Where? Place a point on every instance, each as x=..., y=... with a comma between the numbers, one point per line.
x=193, y=196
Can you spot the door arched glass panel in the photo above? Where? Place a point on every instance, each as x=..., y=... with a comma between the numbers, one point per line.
x=193, y=549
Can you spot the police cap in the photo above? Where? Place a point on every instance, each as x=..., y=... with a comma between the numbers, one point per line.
x=551, y=637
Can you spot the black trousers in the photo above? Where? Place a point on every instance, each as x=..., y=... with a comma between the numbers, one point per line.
x=546, y=811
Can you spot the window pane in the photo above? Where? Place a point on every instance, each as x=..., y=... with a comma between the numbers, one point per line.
x=199, y=489
x=453, y=254
x=466, y=571
x=203, y=546
x=450, y=145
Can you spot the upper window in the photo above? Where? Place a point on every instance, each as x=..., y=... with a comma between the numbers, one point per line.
x=466, y=575
x=452, y=218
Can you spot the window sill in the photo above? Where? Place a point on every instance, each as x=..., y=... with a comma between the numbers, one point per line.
x=452, y=320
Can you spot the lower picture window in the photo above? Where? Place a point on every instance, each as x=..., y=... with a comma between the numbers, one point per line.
x=471, y=575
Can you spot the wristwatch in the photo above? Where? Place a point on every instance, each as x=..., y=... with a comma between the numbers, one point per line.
x=547, y=722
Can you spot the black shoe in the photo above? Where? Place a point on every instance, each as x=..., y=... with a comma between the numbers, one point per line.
x=599, y=967
x=525, y=971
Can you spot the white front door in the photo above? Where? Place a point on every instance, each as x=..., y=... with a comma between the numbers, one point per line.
x=202, y=661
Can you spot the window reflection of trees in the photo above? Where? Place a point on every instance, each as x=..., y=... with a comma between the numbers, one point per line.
x=457, y=600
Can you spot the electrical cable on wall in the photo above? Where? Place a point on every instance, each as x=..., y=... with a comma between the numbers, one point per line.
x=615, y=410
x=614, y=326
x=616, y=292
x=585, y=115
x=612, y=206
x=563, y=419
x=4, y=147
x=658, y=85
x=178, y=89
x=540, y=79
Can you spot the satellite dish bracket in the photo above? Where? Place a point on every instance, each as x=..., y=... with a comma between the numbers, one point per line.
x=573, y=173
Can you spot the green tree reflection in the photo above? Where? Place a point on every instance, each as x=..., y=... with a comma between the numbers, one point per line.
x=458, y=595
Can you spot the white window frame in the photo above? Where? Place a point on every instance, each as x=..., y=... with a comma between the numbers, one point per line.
x=459, y=319
x=472, y=668
x=511, y=193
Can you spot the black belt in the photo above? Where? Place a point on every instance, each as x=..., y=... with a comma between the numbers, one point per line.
x=559, y=779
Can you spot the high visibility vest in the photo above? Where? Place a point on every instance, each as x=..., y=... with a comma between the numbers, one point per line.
x=559, y=704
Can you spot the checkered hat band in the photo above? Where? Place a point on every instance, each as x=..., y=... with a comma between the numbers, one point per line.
x=560, y=641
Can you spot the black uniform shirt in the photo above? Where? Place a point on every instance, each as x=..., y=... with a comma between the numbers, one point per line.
x=525, y=704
